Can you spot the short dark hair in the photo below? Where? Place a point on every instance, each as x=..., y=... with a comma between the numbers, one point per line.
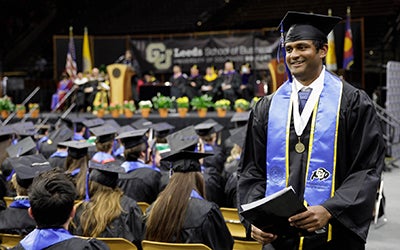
x=319, y=44
x=132, y=154
x=52, y=197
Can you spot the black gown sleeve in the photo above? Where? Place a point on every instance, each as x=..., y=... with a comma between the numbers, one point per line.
x=135, y=223
x=215, y=232
x=361, y=152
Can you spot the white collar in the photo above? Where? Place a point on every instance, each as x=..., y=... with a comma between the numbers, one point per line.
x=315, y=85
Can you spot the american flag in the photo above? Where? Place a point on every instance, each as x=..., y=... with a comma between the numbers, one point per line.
x=70, y=64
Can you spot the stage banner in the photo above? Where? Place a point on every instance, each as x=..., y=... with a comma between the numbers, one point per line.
x=160, y=55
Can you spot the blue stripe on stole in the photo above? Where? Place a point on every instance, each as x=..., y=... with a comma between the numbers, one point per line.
x=322, y=145
x=61, y=154
x=194, y=194
x=43, y=238
x=20, y=204
x=130, y=166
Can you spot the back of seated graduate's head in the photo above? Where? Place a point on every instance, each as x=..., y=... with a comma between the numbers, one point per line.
x=51, y=197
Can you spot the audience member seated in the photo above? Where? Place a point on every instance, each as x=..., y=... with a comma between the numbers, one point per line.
x=105, y=136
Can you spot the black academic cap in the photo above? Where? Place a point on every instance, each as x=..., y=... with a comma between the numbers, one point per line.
x=307, y=26
x=61, y=134
x=133, y=138
x=112, y=123
x=241, y=117
x=76, y=149
x=125, y=128
x=93, y=122
x=239, y=136
x=142, y=124
x=23, y=147
x=184, y=139
x=24, y=129
x=185, y=161
x=73, y=121
x=28, y=167
x=104, y=133
x=105, y=174
x=162, y=129
x=6, y=132
x=208, y=127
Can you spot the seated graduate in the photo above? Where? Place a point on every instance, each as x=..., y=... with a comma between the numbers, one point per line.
x=118, y=151
x=15, y=219
x=52, y=198
x=59, y=156
x=105, y=136
x=6, y=136
x=76, y=164
x=108, y=212
x=181, y=213
x=142, y=181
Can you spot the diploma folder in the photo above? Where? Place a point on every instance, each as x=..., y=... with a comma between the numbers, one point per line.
x=271, y=214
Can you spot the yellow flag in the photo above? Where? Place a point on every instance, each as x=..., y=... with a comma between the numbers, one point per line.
x=331, y=55
x=86, y=57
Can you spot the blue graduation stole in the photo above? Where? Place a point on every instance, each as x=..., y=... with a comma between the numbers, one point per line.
x=130, y=166
x=61, y=154
x=321, y=163
x=194, y=194
x=102, y=157
x=43, y=238
x=75, y=172
x=20, y=203
x=78, y=137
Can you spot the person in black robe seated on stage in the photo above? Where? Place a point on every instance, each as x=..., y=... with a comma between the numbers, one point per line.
x=76, y=164
x=210, y=84
x=320, y=135
x=248, y=82
x=15, y=219
x=52, y=198
x=105, y=136
x=178, y=82
x=142, y=181
x=230, y=82
x=195, y=81
x=181, y=213
x=108, y=212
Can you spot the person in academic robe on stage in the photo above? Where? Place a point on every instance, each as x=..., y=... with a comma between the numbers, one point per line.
x=210, y=84
x=102, y=96
x=80, y=82
x=194, y=82
x=64, y=85
x=328, y=147
x=178, y=82
x=76, y=164
x=181, y=212
x=142, y=181
x=248, y=82
x=15, y=219
x=129, y=59
x=108, y=212
x=52, y=198
x=230, y=82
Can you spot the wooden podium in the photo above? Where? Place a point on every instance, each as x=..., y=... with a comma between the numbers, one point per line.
x=120, y=82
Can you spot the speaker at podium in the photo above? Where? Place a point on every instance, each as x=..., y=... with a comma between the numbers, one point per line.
x=120, y=82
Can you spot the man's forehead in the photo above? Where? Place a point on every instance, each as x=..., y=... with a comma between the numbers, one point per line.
x=299, y=42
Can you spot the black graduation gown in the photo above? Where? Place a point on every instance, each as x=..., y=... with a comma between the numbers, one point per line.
x=129, y=225
x=16, y=221
x=231, y=190
x=142, y=184
x=234, y=80
x=179, y=85
x=215, y=184
x=193, y=91
x=217, y=160
x=360, y=159
x=57, y=162
x=76, y=244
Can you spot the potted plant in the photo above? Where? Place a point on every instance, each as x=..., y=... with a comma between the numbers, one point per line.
x=115, y=109
x=129, y=108
x=241, y=105
x=6, y=106
x=20, y=110
x=201, y=104
x=222, y=106
x=145, y=108
x=99, y=110
x=163, y=103
x=183, y=105
x=34, y=110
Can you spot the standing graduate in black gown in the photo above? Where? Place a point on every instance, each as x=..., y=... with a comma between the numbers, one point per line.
x=108, y=212
x=181, y=213
x=52, y=198
x=332, y=154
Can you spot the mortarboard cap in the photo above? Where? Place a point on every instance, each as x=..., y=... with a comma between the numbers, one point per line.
x=208, y=127
x=125, y=128
x=93, y=122
x=23, y=147
x=142, y=124
x=112, y=123
x=73, y=121
x=104, y=133
x=105, y=174
x=6, y=132
x=185, y=161
x=162, y=129
x=76, y=149
x=307, y=26
x=184, y=139
x=62, y=134
x=241, y=117
x=24, y=129
x=239, y=136
x=28, y=167
x=133, y=138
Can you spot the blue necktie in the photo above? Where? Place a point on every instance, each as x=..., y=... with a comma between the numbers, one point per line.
x=303, y=97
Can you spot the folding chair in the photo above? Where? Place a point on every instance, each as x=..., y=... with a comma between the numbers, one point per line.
x=143, y=206
x=118, y=243
x=155, y=245
x=10, y=240
x=8, y=200
x=246, y=245
x=233, y=223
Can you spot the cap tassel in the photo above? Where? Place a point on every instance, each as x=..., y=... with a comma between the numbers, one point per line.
x=87, y=198
x=282, y=41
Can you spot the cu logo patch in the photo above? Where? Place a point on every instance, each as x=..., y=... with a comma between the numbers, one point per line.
x=320, y=174
x=159, y=55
